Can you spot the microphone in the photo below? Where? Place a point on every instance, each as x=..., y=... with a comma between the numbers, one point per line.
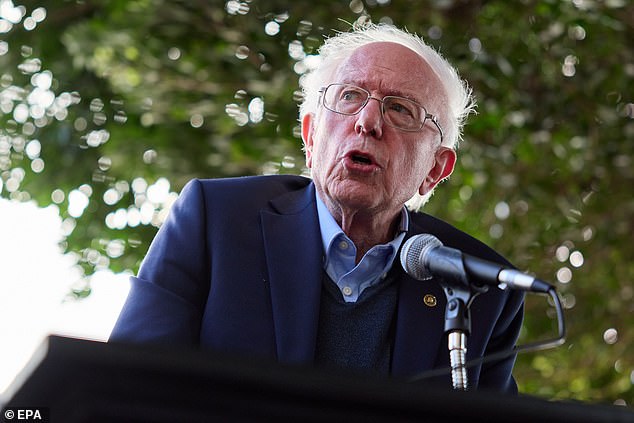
x=424, y=256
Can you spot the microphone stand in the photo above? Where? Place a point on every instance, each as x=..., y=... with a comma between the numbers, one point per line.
x=460, y=293
x=458, y=328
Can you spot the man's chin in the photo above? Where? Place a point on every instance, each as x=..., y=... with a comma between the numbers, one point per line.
x=357, y=194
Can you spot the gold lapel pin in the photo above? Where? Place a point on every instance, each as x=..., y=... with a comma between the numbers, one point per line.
x=430, y=300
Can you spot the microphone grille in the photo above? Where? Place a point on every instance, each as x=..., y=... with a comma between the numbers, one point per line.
x=413, y=255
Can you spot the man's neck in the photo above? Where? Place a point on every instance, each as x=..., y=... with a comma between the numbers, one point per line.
x=366, y=228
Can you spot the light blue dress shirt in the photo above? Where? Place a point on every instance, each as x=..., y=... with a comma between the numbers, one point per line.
x=340, y=254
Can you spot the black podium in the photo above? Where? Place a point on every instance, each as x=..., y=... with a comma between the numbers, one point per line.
x=86, y=381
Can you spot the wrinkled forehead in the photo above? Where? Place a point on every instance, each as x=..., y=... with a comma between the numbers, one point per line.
x=393, y=69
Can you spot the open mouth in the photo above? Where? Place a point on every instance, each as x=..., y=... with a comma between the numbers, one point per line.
x=361, y=159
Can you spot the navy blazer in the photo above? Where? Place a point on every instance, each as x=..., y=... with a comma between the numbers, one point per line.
x=237, y=268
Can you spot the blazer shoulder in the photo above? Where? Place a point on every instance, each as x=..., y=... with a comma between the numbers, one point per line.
x=246, y=190
x=453, y=237
x=265, y=184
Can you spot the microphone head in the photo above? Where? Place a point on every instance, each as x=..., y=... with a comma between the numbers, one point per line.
x=414, y=252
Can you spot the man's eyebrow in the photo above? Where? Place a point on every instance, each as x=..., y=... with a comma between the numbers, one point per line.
x=400, y=93
x=391, y=91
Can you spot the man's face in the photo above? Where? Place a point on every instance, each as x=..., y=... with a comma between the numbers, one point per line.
x=359, y=162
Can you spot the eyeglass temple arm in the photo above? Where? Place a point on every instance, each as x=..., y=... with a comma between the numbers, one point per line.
x=434, y=119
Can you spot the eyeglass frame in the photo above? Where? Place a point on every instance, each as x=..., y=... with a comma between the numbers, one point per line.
x=426, y=115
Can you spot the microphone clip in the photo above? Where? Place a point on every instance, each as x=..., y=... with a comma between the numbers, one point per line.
x=460, y=292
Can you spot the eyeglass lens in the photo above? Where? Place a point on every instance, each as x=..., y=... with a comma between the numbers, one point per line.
x=397, y=111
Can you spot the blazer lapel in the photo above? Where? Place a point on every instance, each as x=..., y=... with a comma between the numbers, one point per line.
x=419, y=322
x=294, y=258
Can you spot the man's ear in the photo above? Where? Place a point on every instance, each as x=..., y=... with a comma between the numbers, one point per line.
x=445, y=160
x=307, y=137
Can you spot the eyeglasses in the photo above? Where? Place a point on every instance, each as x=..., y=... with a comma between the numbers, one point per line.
x=398, y=112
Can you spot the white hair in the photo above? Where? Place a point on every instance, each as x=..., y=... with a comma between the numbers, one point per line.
x=460, y=102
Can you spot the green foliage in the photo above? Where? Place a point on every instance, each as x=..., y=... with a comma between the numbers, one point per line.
x=151, y=93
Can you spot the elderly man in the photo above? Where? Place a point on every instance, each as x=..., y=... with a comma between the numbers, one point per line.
x=303, y=270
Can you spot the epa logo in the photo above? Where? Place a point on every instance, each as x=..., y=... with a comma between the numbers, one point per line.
x=25, y=415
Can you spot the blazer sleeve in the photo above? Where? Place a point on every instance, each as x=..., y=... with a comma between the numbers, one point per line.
x=166, y=298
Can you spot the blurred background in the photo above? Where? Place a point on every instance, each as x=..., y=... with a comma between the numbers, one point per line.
x=107, y=108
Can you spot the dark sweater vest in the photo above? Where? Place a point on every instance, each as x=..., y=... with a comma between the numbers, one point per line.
x=357, y=336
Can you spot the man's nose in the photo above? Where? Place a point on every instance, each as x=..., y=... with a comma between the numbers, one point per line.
x=369, y=120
